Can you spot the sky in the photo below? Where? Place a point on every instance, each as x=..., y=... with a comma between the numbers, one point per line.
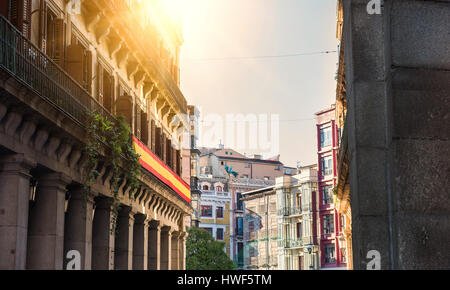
x=222, y=74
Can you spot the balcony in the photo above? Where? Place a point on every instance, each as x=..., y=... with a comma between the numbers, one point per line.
x=31, y=67
x=27, y=64
x=290, y=243
x=215, y=193
x=290, y=211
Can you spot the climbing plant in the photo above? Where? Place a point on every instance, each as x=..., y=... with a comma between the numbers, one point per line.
x=116, y=140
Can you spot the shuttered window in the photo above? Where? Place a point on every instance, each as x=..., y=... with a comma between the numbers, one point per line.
x=79, y=65
x=21, y=16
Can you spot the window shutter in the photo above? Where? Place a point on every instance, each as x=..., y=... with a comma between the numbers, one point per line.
x=178, y=163
x=59, y=42
x=100, y=85
x=138, y=122
x=21, y=16
x=153, y=137
x=43, y=25
x=124, y=107
x=163, y=147
x=144, y=128
x=74, y=62
x=88, y=71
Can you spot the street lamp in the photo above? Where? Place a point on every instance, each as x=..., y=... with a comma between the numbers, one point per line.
x=311, y=266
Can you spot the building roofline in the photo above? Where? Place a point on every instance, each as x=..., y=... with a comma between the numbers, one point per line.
x=251, y=160
x=259, y=190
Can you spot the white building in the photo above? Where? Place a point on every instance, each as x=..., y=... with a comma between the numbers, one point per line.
x=297, y=230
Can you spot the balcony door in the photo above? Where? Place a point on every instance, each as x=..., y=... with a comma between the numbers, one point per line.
x=20, y=15
x=79, y=63
x=105, y=87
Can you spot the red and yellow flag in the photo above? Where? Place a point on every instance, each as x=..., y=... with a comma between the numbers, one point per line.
x=153, y=164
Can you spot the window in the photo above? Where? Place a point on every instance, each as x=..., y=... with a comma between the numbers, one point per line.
x=219, y=234
x=105, y=87
x=252, y=251
x=219, y=212
x=326, y=166
x=79, y=62
x=245, y=176
x=344, y=255
x=326, y=195
x=206, y=210
x=240, y=253
x=342, y=221
x=299, y=200
x=329, y=253
x=251, y=226
x=328, y=224
x=219, y=188
x=299, y=231
x=205, y=187
x=239, y=226
x=325, y=137
x=239, y=203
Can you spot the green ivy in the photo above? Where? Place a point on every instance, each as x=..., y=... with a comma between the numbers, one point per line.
x=116, y=139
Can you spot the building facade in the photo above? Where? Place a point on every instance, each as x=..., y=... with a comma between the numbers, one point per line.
x=260, y=229
x=330, y=221
x=194, y=166
x=64, y=61
x=215, y=201
x=298, y=246
x=342, y=201
x=397, y=66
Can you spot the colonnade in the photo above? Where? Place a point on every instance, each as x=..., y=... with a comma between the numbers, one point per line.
x=42, y=226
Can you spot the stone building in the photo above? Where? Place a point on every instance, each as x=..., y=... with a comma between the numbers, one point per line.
x=237, y=186
x=194, y=166
x=397, y=84
x=260, y=229
x=298, y=245
x=342, y=201
x=57, y=65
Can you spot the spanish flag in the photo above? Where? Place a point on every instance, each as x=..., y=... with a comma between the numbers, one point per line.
x=153, y=164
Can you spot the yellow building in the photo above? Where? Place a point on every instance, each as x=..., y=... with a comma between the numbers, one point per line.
x=343, y=186
x=61, y=61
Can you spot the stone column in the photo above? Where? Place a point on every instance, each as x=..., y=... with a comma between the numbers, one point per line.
x=14, y=200
x=46, y=223
x=103, y=235
x=140, y=242
x=182, y=250
x=78, y=227
x=175, y=251
x=166, y=240
x=123, y=256
x=154, y=245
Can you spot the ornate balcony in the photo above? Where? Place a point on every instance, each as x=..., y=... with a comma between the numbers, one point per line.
x=30, y=66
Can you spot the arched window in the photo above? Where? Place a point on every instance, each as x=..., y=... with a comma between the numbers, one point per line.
x=205, y=187
x=219, y=188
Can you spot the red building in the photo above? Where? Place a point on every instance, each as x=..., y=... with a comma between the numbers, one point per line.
x=330, y=222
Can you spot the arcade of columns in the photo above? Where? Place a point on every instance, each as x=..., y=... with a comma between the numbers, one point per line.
x=45, y=213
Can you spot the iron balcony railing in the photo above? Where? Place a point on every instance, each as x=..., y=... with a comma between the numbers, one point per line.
x=290, y=243
x=290, y=211
x=30, y=66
